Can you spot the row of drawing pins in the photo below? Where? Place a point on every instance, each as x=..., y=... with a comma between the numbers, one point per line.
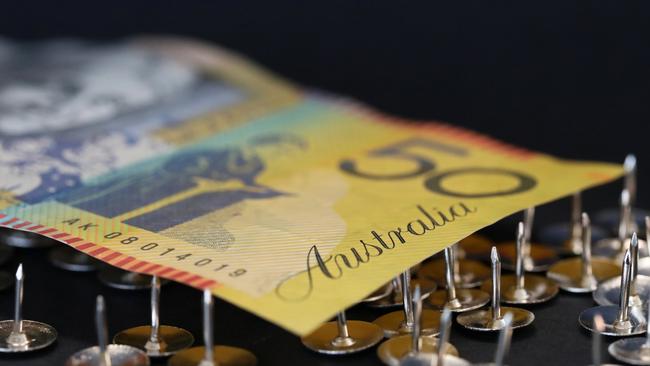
x=132, y=347
x=417, y=333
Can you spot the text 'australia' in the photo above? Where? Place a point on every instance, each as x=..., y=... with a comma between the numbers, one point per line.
x=334, y=266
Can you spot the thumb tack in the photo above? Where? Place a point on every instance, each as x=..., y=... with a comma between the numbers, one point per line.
x=537, y=258
x=456, y=300
x=582, y=275
x=155, y=339
x=619, y=321
x=467, y=273
x=107, y=354
x=519, y=289
x=615, y=247
x=610, y=218
x=492, y=319
x=635, y=351
x=475, y=246
x=396, y=349
x=343, y=336
x=19, y=335
x=566, y=237
x=440, y=357
x=402, y=322
x=608, y=292
x=209, y=354
x=503, y=345
x=394, y=297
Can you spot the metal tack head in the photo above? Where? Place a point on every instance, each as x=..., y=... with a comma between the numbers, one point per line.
x=124, y=280
x=394, y=298
x=621, y=320
x=467, y=273
x=155, y=339
x=107, y=354
x=402, y=322
x=19, y=335
x=25, y=239
x=581, y=275
x=343, y=336
x=608, y=292
x=611, y=217
x=209, y=354
x=521, y=289
x=616, y=246
x=537, y=258
x=396, y=350
x=425, y=359
x=475, y=246
x=635, y=351
x=440, y=357
x=69, y=259
x=456, y=300
x=492, y=319
x=503, y=345
x=381, y=293
x=566, y=237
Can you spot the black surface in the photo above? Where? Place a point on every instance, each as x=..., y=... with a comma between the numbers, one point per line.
x=569, y=78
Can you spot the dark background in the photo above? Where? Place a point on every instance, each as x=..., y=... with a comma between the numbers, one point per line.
x=564, y=77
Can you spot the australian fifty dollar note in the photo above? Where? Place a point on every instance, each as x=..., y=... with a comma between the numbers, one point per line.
x=171, y=157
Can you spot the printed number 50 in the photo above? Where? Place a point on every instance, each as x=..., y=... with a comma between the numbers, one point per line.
x=425, y=165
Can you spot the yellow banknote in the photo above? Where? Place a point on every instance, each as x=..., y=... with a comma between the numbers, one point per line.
x=289, y=203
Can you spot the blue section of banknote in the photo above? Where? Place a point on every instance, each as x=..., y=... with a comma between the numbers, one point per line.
x=205, y=177
x=72, y=111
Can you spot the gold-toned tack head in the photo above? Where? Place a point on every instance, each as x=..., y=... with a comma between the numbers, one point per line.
x=155, y=339
x=394, y=323
x=583, y=274
x=394, y=298
x=70, y=259
x=536, y=257
x=223, y=356
x=209, y=354
x=475, y=246
x=124, y=280
x=328, y=340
